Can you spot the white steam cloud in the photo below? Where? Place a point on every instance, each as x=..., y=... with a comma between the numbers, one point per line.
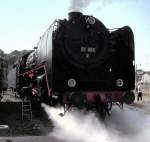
x=79, y=5
x=126, y=125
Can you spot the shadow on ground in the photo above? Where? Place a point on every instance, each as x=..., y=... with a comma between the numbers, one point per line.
x=10, y=114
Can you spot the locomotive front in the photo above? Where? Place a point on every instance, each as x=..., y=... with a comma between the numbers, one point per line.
x=79, y=62
x=85, y=56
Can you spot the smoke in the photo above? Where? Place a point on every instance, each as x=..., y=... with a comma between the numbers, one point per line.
x=79, y=5
x=78, y=126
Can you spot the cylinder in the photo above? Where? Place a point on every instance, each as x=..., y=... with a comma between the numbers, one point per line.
x=74, y=15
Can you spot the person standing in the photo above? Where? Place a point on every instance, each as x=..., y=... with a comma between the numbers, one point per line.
x=139, y=93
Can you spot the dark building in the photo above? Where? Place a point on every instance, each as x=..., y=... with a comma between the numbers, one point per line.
x=3, y=74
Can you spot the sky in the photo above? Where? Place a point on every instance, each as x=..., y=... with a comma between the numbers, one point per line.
x=23, y=22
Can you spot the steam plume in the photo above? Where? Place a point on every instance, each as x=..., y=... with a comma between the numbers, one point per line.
x=124, y=126
x=79, y=5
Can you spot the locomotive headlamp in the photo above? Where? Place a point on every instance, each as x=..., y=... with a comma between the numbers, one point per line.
x=91, y=20
x=71, y=82
x=119, y=82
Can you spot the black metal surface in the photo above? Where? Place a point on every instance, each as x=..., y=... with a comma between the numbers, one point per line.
x=74, y=15
x=82, y=49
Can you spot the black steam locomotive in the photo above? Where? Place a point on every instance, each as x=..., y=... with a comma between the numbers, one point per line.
x=79, y=62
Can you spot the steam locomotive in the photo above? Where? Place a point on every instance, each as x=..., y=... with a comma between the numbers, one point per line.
x=79, y=62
